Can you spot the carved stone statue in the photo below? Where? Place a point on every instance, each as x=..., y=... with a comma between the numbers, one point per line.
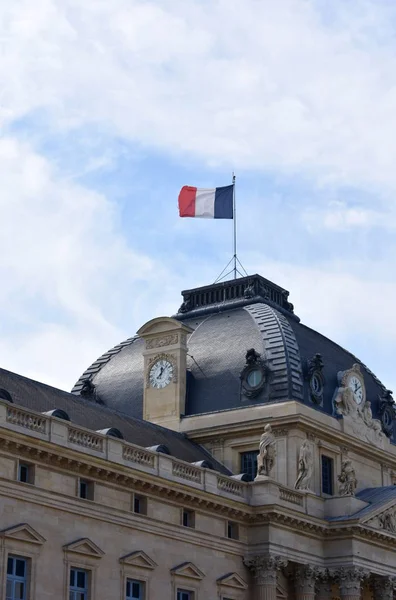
x=305, y=467
x=347, y=479
x=345, y=404
x=266, y=457
x=388, y=521
x=358, y=418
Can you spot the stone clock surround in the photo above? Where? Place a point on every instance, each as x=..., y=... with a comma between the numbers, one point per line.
x=165, y=339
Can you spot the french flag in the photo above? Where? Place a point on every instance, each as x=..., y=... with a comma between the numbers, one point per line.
x=207, y=203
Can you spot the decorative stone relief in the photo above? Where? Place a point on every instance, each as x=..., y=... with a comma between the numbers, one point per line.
x=267, y=452
x=347, y=479
x=280, y=432
x=349, y=580
x=387, y=520
x=383, y=587
x=159, y=342
x=265, y=568
x=358, y=418
x=305, y=578
x=305, y=467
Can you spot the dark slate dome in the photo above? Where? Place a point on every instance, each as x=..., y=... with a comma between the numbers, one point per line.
x=229, y=319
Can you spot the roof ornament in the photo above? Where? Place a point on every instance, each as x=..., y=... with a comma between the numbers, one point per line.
x=89, y=392
x=387, y=412
x=254, y=375
x=314, y=375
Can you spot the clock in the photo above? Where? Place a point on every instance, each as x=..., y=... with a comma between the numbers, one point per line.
x=161, y=373
x=316, y=384
x=356, y=384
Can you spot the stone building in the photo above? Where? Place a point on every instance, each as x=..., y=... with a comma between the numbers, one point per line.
x=226, y=453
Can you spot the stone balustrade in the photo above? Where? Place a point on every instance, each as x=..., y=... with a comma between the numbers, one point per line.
x=66, y=434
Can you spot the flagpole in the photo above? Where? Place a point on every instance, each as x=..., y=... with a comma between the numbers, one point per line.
x=235, y=228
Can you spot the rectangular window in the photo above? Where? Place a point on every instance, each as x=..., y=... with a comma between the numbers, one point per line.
x=249, y=464
x=86, y=489
x=140, y=504
x=16, y=578
x=327, y=475
x=26, y=473
x=188, y=518
x=185, y=595
x=79, y=586
x=232, y=530
x=134, y=590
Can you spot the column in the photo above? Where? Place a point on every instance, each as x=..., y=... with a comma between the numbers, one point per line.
x=383, y=587
x=323, y=586
x=305, y=578
x=264, y=569
x=350, y=581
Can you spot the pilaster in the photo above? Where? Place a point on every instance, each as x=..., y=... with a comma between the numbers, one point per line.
x=383, y=588
x=305, y=578
x=265, y=569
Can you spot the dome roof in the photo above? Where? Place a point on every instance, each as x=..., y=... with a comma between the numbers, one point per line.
x=228, y=319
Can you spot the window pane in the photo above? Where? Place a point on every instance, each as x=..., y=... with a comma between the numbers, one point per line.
x=81, y=579
x=128, y=589
x=72, y=577
x=10, y=565
x=136, y=590
x=9, y=589
x=83, y=489
x=249, y=463
x=20, y=568
x=19, y=590
x=23, y=473
x=81, y=596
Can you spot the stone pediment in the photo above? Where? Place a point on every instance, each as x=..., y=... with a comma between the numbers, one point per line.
x=84, y=546
x=24, y=533
x=384, y=519
x=138, y=559
x=232, y=580
x=188, y=569
x=161, y=325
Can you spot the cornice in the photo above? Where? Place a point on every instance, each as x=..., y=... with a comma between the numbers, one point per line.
x=307, y=424
x=93, y=510
x=103, y=471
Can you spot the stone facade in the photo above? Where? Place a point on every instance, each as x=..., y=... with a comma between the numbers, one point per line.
x=263, y=540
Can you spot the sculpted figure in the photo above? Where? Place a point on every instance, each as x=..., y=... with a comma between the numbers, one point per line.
x=388, y=521
x=368, y=418
x=347, y=479
x=305, y=467
x=345, y=404
x=266, y=457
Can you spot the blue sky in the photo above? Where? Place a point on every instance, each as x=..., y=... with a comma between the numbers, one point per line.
x=107, y=109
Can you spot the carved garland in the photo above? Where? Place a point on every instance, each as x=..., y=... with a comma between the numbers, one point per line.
x=160, y=342
x=163, y=356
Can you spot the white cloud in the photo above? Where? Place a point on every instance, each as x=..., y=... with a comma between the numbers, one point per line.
x=338, y=216
x=69, y=280
x=268, y=85
x=274, y=87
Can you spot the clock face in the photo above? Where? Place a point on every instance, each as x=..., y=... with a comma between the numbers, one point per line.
x=316, y=384
x=356, y=386
x=161, y=373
